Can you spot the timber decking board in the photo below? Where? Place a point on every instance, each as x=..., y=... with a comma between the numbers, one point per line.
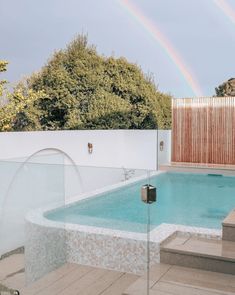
x=72, y=279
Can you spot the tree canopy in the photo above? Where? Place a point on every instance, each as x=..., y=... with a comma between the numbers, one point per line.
x=80, y=89
x=226, y=89
x=3, y=68
x=20, y=112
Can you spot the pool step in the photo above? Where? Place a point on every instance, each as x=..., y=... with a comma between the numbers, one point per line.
x=226, y=170
x=200, y=253
x=229, y=227
x=168, y=279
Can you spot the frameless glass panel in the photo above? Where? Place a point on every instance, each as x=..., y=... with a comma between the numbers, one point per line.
x=30, y=185
x=187, y=203
x=105, y=223
x=90, y=221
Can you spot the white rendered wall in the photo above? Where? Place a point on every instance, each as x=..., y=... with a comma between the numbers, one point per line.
x=111, y=148
x=164, y=156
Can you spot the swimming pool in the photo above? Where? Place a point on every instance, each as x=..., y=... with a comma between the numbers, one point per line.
x=185, y=199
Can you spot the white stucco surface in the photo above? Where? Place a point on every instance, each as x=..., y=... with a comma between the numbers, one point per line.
x=111, y=148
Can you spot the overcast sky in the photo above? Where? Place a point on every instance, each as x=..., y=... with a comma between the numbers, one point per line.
x=30, y=31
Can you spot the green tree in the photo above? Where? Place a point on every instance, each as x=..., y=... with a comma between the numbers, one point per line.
x=3, y=68
x=226, y=89
x=85, y=90
x=81, y=89
x=20, y=112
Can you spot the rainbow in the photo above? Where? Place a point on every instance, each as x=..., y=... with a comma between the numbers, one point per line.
x=226, y=8
x=162, y=40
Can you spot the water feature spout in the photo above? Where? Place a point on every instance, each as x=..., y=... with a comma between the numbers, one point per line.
x=19, y=170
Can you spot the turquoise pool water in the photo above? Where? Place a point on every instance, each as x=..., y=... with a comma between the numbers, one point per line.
x=187, y=199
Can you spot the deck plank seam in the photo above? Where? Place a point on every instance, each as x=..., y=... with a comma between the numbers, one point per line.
x=102, y=292
x=162, y=276
x=56, y=281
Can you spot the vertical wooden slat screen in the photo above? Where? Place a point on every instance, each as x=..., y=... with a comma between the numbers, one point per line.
x=203, y=130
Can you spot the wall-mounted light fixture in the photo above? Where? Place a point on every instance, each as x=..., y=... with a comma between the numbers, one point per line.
x=161, y=144
x=90, y=147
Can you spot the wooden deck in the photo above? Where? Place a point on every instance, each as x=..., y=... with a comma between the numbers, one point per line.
x=168, y=279
x=73, y=279
x=70, y=279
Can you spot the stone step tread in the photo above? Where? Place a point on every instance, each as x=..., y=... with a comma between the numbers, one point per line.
x=181, y=289
x=230, y=219
x=178, y=280
x=217, y=249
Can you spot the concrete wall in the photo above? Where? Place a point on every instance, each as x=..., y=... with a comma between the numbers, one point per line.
x=111, y=148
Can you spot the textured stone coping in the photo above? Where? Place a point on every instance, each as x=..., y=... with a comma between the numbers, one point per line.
x=230, y=219
x=49, y=244
x=197, y=246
